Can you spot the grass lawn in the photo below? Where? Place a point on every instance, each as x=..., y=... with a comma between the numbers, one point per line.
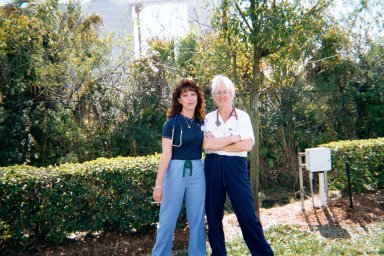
x=290, y=240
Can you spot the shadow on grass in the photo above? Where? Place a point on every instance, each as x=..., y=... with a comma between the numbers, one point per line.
x=326, y=220
x=329, y=231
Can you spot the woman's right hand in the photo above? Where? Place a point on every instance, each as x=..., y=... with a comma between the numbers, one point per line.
x=158, y=194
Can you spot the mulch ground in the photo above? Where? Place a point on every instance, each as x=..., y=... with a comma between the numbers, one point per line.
x=343, y=221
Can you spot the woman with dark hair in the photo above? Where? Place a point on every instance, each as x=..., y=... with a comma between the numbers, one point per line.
x=180, y=174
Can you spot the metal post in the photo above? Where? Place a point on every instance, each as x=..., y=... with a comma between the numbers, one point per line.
x=326, y=186
x=347, y=169
x=323, y=188
x=311, y=185
x=301, y=166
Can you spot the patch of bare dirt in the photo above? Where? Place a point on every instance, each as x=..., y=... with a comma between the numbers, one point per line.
x=337, y=216
x=115, y=244
x=367, y=208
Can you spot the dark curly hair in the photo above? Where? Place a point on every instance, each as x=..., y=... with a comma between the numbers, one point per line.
x=185, y=85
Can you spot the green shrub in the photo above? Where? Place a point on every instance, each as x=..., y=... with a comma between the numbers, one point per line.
x=46, y=204
x=366, y=159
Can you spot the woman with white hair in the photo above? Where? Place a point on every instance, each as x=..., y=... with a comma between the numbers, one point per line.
x=228, y=138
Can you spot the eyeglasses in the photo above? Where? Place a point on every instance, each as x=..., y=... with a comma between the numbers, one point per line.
x=219, y=93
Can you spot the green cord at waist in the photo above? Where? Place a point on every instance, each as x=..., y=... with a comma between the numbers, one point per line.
x=187, y=165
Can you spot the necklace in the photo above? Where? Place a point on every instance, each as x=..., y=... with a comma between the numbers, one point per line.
x=189, y=126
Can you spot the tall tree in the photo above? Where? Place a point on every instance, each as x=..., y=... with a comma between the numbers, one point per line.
x=268, y=27
x=48, y=60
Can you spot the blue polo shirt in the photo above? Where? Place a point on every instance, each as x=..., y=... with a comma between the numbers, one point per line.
x=191, y=139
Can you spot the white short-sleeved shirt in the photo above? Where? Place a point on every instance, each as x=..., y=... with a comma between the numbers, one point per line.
x=241, y=126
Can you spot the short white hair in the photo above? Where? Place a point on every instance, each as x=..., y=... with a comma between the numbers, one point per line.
x=220, y=80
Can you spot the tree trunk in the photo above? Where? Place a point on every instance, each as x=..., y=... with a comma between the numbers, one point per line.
x=255, y=118
x=254, y=107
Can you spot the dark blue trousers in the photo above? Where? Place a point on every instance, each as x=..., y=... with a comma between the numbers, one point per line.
x=228, y=174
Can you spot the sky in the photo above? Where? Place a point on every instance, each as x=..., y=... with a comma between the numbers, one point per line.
x=60, y=1
x=365, y=22
x=167, y=20
x=170, y=19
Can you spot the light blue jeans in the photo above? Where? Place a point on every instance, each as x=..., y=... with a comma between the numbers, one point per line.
x=177, y=188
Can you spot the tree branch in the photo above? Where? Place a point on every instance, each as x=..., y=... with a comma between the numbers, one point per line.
x=243, y=17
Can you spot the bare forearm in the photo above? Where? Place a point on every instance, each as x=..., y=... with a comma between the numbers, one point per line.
x=243, y=145
x=165, y=159
x=163, y=166
x=166, y=156
x=218, y=143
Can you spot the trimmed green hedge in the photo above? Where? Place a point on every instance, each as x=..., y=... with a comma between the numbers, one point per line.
x=366, y=161
x=46, y=204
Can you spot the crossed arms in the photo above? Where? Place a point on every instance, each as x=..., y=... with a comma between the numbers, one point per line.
x=229, y=144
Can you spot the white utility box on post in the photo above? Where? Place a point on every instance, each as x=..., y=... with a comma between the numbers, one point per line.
x=319, y=160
